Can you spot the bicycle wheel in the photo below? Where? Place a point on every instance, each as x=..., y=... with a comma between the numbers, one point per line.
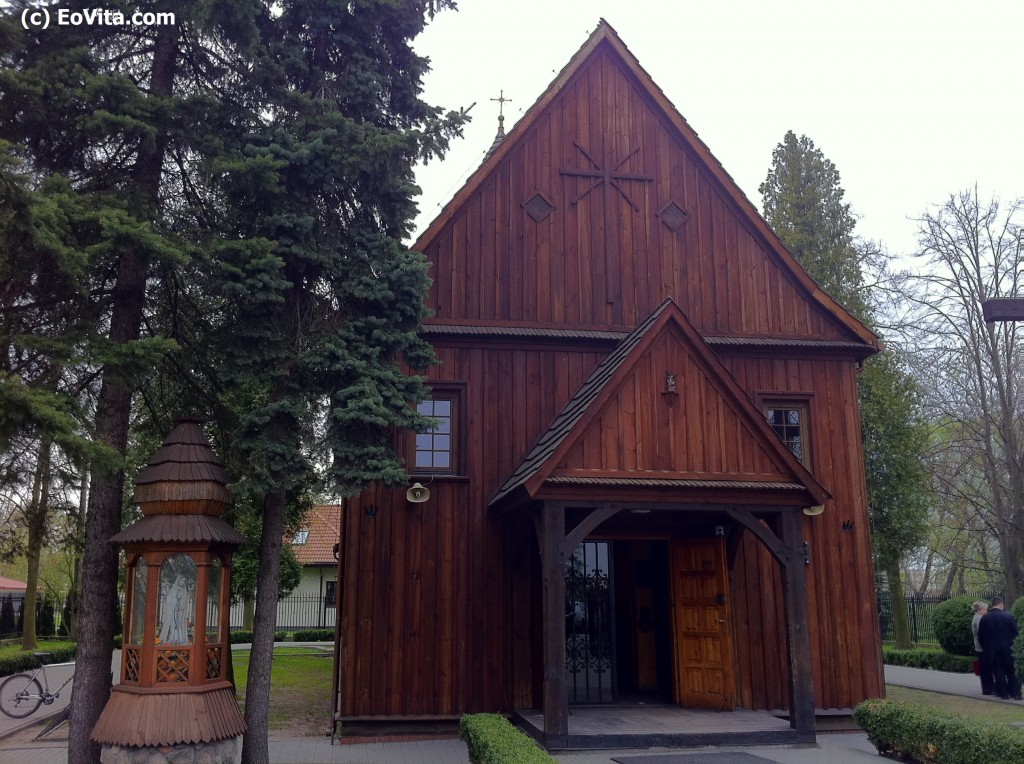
x=20, y=695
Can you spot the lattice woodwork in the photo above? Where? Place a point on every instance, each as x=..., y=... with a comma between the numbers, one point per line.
x=132, y=664
x=213, y=663
x=172, y=665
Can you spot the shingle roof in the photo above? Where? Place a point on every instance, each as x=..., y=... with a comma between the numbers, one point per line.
x=184, y=528
x=860, y=349
x=672, y=483
x=323, y=524
x=186, y=455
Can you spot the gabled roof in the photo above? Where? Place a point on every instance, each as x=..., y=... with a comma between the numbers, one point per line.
x=539, y=466
x=605, y=39
x=324, y=524
x=11, y=584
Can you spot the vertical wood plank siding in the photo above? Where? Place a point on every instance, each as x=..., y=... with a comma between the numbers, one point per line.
x=715, y=265
x=441, y=599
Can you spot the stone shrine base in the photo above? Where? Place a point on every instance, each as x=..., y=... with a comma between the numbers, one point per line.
x=219, y=752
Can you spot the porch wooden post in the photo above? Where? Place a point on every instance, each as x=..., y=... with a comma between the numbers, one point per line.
x=794, y=584
x=556, y=698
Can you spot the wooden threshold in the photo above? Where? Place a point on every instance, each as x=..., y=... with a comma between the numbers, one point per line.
x=646, y=726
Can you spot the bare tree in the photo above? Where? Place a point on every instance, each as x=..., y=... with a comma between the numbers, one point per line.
x=971, y=252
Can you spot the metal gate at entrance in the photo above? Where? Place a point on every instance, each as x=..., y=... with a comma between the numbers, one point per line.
x=589, y=624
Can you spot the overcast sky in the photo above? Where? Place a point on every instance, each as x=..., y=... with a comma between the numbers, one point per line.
x=911, y=101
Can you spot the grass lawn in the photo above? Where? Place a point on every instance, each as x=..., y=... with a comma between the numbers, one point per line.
x=971, y=708
x=45, y=646
x=300, y=689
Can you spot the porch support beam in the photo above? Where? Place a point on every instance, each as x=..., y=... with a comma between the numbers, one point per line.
x=746, y=518
x=575, y=537
x=556, y=695
x=794, y=585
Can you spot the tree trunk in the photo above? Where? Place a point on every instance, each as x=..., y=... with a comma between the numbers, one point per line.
x=76, y=572
x=926, y=579
x=900, y=622
x=257, y=691
x=93, y=677
x=947, y=585
x=36, y=522
x=248, y=611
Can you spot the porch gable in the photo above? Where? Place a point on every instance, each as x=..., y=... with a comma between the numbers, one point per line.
x=662, y=412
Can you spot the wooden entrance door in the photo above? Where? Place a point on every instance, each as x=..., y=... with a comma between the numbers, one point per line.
x=702, y=628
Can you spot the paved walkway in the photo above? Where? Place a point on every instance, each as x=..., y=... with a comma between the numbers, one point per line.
x=833, y=748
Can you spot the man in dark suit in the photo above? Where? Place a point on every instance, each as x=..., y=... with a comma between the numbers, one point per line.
x=996, y=632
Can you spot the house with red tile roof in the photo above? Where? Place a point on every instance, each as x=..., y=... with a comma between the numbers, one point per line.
x=11, y=586
x=314, y=544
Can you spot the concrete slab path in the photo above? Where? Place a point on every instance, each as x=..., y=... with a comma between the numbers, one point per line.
x=832, y=748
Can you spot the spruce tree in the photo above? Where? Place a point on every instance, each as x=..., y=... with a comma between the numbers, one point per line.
x=318, y=300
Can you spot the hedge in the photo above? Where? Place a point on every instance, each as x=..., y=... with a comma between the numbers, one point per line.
x=928, y=659
x=491, y=739
x=313, y=635
x=244, y=637
x=29, y=662
x=911, y=732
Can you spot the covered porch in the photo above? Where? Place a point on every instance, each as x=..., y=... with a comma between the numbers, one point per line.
x=704, y=711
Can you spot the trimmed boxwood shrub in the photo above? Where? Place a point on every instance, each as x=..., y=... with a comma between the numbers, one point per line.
x=928, y=659
x=1018, y=610
x=1018, y=655
x=491, y=739
x=29, y=662
x=952, y=623
x=911, y=732
x=313, y=635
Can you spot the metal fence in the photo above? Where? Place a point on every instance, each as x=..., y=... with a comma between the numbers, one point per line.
x=920, y=609
x=294, y=613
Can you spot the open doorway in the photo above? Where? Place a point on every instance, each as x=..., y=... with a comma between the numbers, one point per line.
x=619, y=623
x=643, y=622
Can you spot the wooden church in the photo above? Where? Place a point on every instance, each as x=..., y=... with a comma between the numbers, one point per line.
x=645, y=486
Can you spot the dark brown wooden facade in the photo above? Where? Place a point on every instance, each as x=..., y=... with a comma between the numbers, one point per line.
x=613, y=316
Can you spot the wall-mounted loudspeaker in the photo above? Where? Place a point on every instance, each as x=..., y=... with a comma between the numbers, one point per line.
x=418, y=494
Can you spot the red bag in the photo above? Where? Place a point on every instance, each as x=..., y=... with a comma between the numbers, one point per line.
x=977, y=668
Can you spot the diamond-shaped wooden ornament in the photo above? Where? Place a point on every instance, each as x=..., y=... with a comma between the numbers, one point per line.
x=673, y=216
x=538, y=208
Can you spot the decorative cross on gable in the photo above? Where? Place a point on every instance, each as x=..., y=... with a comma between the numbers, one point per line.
x=605, y=175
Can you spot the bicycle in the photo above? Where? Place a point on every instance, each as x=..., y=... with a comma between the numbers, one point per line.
x=21, y=694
